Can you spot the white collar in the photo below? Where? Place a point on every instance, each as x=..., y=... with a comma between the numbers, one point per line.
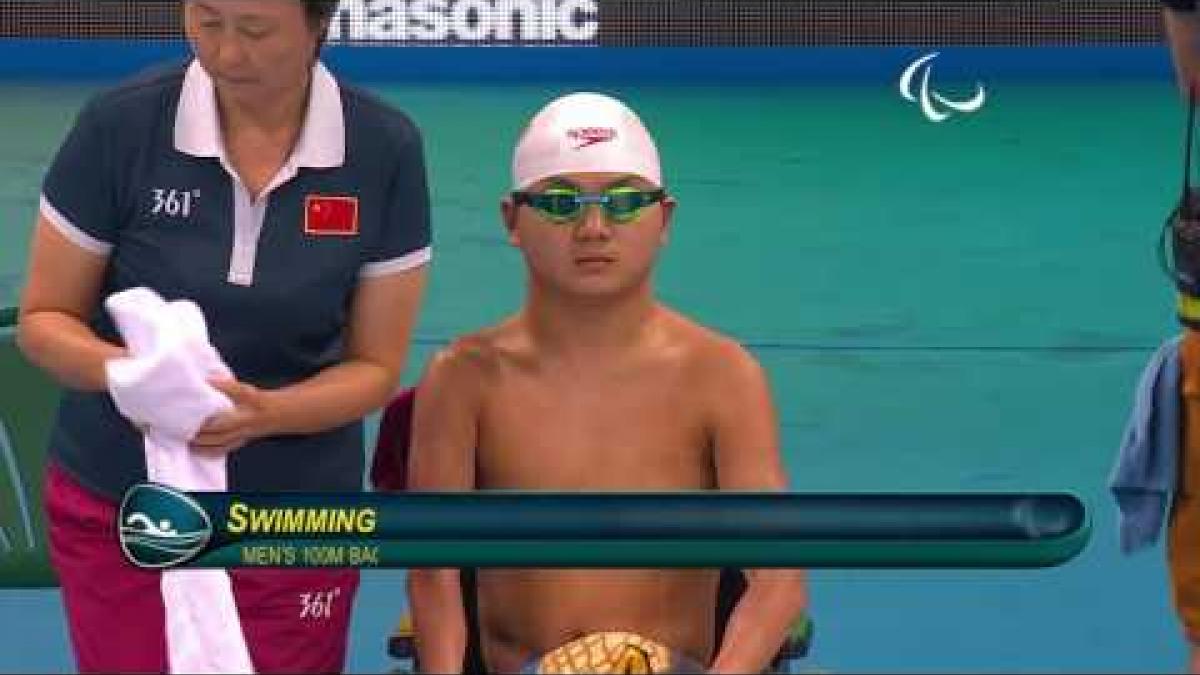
x=322, y=142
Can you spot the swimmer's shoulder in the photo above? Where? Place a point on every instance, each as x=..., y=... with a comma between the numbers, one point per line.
x=703, y=346
x=713, y=359
x=474, y=360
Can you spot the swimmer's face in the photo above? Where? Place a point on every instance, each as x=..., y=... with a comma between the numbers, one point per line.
x=253, y=49
x=592, y=254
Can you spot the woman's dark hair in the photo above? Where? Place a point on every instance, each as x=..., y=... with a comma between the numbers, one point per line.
x=319, y=10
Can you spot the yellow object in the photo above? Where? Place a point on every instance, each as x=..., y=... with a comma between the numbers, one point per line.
x=1189, y=308
x=610, y=652
x=405, y=627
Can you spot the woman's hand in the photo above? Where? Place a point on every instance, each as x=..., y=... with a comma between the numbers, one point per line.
x=250, y=419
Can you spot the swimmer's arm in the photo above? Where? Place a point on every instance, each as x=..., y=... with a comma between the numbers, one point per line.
x=746, y=448
x=761, y=620
x=63, y=285
x=442, y=459
x=439, y=619
x=1183, y=37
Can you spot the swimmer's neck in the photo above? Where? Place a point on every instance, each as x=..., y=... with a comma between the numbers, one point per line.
x=566, y=326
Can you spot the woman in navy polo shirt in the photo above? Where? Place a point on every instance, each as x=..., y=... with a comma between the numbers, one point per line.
x=294, y=211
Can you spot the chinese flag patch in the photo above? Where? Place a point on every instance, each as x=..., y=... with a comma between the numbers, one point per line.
x=330, y=216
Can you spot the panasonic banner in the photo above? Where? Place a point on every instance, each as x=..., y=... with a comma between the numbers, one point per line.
x=467, y=21
x=932, y=24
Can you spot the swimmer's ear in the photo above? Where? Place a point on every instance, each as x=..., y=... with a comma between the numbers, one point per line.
x=508, y=213
x=668, y=214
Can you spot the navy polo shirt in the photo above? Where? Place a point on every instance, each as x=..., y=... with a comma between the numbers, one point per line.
x=142, y=179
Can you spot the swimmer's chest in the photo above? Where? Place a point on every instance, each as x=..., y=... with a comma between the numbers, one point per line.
x=641, y=429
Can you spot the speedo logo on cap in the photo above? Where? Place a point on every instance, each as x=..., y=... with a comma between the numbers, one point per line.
x=585, y=136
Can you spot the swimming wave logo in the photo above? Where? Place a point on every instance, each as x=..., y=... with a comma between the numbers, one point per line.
x=934, y=105
x=161, y=527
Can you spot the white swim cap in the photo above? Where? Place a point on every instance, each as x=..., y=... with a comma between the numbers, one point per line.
x=584, y=133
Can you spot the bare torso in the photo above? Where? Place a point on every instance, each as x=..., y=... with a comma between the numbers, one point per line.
x=636, y=423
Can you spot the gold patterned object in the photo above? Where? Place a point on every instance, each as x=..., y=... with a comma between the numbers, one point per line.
x=614, y=652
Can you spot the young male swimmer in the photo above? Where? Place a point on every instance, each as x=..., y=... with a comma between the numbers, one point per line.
x=595, y=385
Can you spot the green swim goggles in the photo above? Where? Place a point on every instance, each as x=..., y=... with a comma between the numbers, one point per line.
x=564, y=205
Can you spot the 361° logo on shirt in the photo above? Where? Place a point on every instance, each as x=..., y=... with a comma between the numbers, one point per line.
x=173, y=203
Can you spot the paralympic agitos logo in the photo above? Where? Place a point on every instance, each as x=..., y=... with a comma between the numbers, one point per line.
x=935, y=106
x=470, y=21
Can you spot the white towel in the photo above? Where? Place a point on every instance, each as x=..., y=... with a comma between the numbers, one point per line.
x=162, y=387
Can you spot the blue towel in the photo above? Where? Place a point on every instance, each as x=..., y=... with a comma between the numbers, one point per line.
x=1146, y=471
